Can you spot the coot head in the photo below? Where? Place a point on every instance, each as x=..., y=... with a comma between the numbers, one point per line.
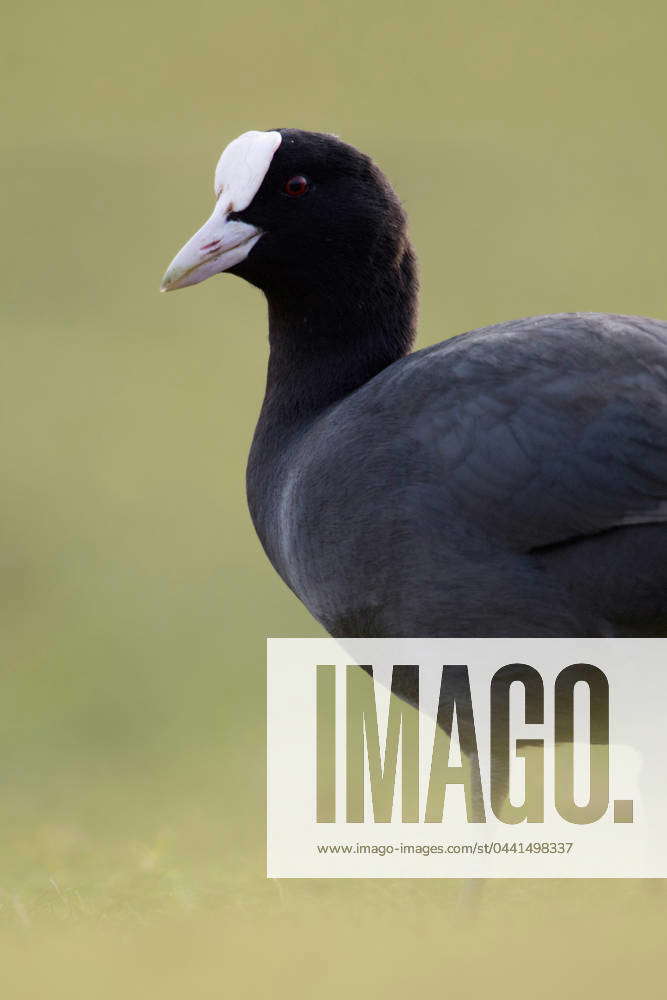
x=297, y=214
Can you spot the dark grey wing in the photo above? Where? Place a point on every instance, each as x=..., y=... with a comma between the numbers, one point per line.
x=549, y=428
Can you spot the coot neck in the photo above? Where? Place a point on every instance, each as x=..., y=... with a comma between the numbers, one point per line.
x=324, y=346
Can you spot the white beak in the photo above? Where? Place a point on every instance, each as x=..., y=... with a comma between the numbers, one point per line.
x=216, y=247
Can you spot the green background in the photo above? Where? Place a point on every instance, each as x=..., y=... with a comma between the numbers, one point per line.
x=528, y=142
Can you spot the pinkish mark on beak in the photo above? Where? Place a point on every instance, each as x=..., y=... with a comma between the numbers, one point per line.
x=211, y=246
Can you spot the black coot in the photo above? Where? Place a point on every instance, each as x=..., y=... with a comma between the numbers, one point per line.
x=511, y=481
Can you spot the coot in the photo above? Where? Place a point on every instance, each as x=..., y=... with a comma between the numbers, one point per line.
x=511, y=481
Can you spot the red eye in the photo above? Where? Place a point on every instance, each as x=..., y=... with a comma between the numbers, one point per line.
x=296, y=186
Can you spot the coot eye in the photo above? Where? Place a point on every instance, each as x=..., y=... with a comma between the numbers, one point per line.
x=296, y=186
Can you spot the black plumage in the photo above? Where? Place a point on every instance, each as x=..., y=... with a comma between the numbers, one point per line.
x=511, y=481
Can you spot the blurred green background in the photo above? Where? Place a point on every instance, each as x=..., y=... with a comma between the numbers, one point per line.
x=529, y=144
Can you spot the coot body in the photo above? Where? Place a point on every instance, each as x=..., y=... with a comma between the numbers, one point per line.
x=481, y=487
x=511, y=481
